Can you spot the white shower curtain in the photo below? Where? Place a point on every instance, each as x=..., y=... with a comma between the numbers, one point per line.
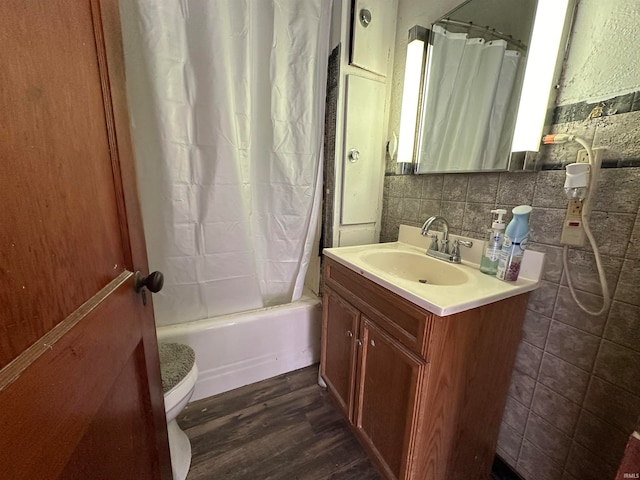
x=468, y=90
x=227, y=106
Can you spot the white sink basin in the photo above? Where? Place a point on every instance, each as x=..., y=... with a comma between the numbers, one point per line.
x=415, y=267
x=437, y=286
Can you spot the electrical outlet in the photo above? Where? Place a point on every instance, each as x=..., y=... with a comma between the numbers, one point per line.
x=582, y=156
x=597, y=152
x=574, y=208
x=572, y=231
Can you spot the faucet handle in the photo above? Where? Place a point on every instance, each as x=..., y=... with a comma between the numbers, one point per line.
x=434, y=241
x=464, y=243
x=456, y=247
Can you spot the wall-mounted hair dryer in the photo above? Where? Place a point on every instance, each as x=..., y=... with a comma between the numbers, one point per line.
x=579, y=185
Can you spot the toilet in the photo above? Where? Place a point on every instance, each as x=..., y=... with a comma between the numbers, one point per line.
x=179, y=374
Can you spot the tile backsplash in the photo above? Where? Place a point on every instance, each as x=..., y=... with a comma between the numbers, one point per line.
x=575, y=390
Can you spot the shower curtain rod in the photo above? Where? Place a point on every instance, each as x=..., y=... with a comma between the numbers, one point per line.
x=491, y=31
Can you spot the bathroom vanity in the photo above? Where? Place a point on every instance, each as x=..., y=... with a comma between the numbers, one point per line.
x=422, y=388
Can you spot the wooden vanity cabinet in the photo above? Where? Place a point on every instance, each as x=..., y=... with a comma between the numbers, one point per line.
x=372, y=379
x=424, y=394
x=386, y=396
x=339, y=350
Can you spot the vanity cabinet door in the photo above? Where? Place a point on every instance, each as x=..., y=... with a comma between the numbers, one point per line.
x=338, y=366
x=387, y=398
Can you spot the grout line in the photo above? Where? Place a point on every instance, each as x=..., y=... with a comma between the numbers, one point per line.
x=495, y=200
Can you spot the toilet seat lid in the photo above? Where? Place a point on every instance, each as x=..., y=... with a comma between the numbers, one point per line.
x=176, y=361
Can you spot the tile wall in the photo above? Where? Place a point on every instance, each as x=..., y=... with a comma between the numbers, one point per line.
x=575, y=391
x=329, y=169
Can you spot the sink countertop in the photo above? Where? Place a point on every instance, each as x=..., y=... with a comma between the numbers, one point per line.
x=443, y=300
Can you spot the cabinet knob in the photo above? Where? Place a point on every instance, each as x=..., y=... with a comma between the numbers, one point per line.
x=373, y=343
x=359, y=342
x=349, y=334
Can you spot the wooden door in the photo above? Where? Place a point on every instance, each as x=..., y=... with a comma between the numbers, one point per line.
x=80, y=392
x=387, y=396
x=338, y=363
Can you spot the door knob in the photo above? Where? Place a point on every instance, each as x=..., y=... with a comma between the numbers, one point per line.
x=365, y=17
x=154, y=281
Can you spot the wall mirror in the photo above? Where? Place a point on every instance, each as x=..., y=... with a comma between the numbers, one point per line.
x=473, y=73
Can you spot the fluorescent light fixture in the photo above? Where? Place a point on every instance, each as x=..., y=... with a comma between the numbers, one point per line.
x=540, y=73
x=411, y=93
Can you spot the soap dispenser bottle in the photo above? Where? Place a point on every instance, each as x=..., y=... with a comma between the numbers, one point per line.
x=495, y=238
x=515, y=240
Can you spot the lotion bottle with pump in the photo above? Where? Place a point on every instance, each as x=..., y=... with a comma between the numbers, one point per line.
x=491, y=254
x=515, y=240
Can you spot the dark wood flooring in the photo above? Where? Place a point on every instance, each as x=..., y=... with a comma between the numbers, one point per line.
x=284, y=428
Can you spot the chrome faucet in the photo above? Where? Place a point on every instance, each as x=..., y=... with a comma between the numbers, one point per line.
x=442, y=253
x=444, y=244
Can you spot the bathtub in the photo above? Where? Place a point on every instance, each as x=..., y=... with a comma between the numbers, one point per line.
x=242, y=348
